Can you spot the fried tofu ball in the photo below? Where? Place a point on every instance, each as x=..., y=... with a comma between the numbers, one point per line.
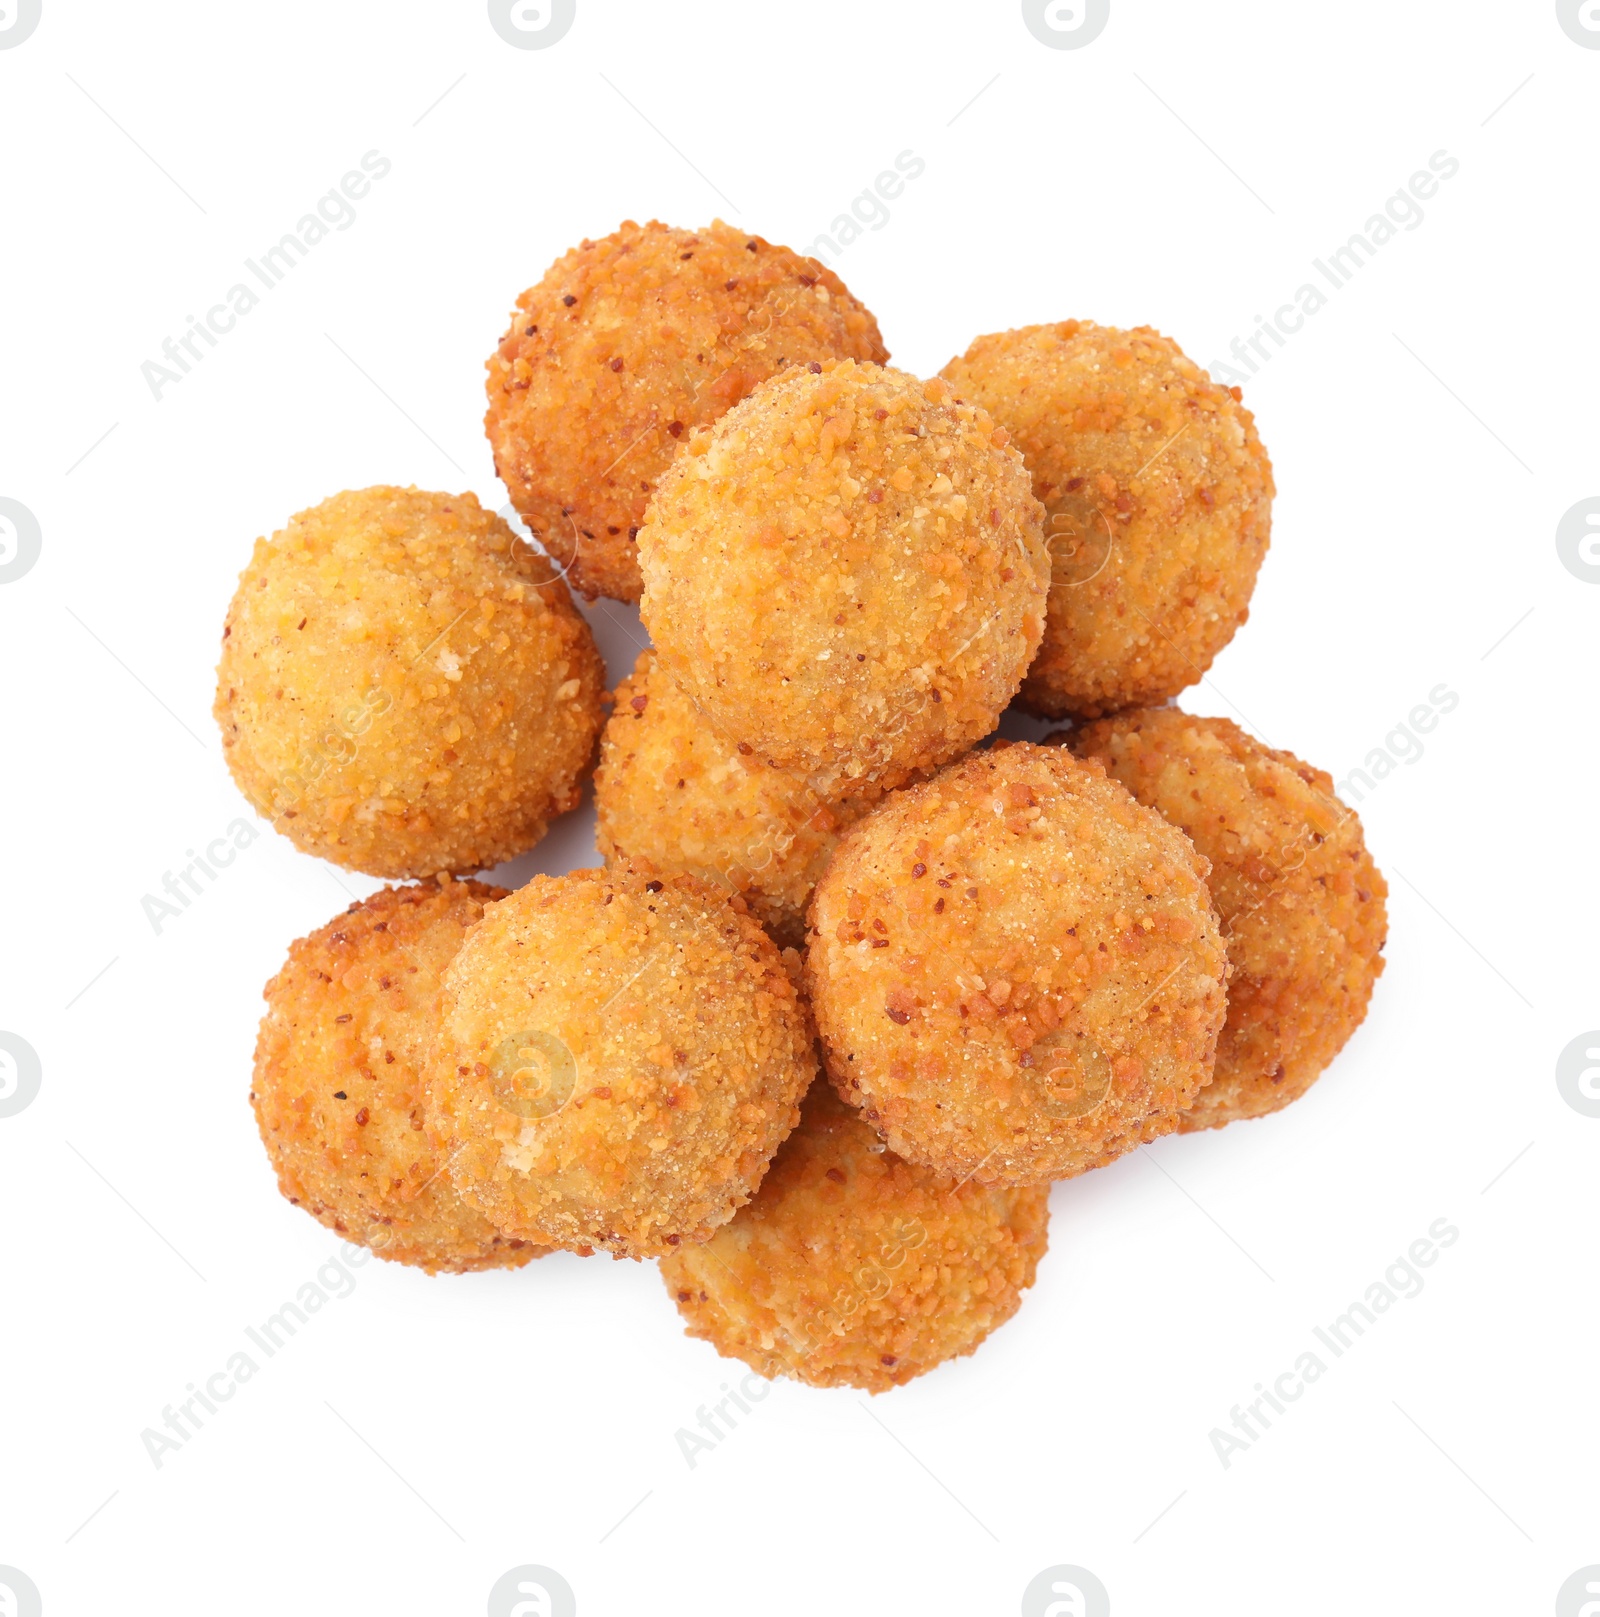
x=625, y=347
x=851, y=1268
x=405, y=686
x=1158, y=502
x=1302, y=903
x=672, y=791
x=617, y=1061
x=1016, y=969
x=846, y=573
x=338, y=1086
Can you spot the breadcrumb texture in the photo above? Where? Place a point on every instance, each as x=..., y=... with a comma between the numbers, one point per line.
x=1016, y=969
x=1158, y=501
x=338, y=1085
x=673, y=791
x=623, y=349
x=847, y=574
x=1302, y=903
x=405, y=686
x=852, y=1268
x=617, y=1062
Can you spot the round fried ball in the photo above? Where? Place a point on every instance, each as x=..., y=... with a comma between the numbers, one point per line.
x=673, y=791
x=405, y=686
x=1302, y=903
x=851, y=1268
x=626, y=346
x=846, y=574
x=1016, y=969
x=338, y=1085
x=617, y=1061
x=1158, y=501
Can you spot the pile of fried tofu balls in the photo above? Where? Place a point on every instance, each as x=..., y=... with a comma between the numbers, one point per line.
x=1014, y=962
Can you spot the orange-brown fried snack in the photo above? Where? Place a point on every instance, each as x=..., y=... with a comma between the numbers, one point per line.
x=1302, y=903
x=851, y=1268
x=338, y=1085
x=846, y=574
x=673, y=791
x=1016, y=969
x=617, y=1060
x=405, y=686
x=1158, y=502
x=625, y=347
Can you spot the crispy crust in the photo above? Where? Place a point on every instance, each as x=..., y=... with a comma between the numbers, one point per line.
x=405, y=688
x=618, y=1059
x=1302, y=903
x=1016, y=969
x=337, y=1089
x=846, y=573
x=852, y=1268
x=625, y=347
x=672, y=791
x=1158, y=500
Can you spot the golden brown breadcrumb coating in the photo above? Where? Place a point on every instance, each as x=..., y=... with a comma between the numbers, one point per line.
x=846, y=574
x=1158, y=500
x=1016, y=969
x=338, y=1086
x=1302, y=903
x=672, y=791
x=617, y=1060
x=625, y=347
x=851, y=1268
x=405, y=686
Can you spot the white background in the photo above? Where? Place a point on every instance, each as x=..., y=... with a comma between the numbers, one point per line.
x=1428, y=429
